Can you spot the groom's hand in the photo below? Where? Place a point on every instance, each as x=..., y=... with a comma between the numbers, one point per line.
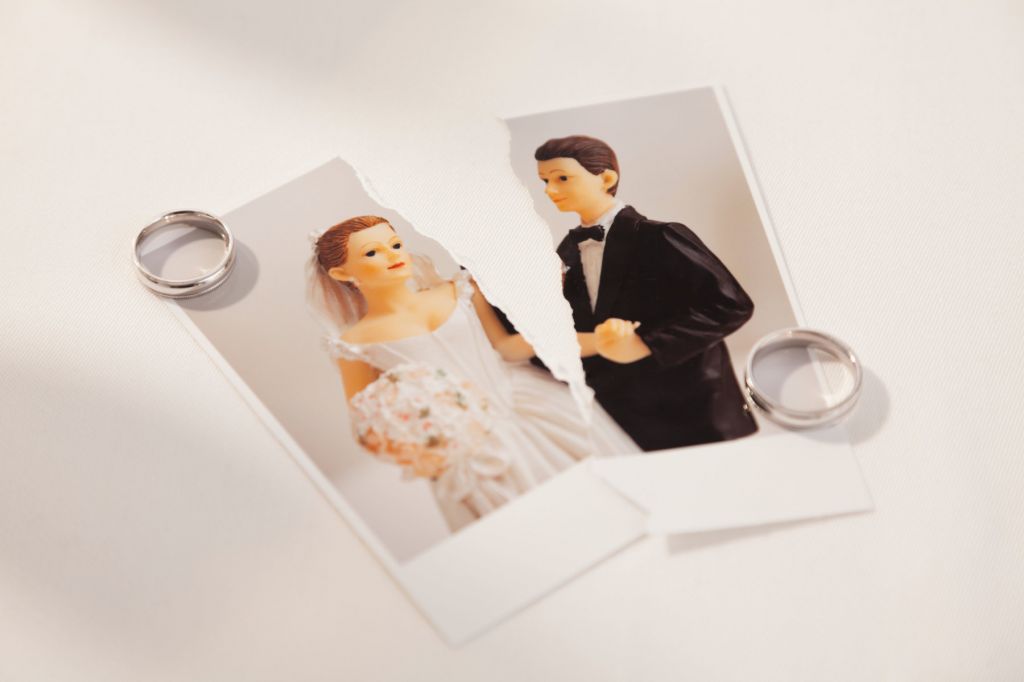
x=617, y=340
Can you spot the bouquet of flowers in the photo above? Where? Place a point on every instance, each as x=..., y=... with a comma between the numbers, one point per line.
x=430, y=423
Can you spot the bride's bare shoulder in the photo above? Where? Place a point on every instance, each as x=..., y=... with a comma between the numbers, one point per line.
x=366, y=330
x=440, y=292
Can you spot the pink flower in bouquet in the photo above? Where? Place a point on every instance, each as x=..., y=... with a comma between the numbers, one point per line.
x=425, y=420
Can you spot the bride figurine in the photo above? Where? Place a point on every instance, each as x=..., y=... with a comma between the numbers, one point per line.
x=359, y=276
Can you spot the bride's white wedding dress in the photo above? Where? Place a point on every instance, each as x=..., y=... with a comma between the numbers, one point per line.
x=538, y=427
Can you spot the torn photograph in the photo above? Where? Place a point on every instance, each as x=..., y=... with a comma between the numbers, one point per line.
x=665, y=255
x=429, y=421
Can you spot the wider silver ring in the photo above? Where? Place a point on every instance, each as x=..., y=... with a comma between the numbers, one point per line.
x=803, y=338
x=187, y=288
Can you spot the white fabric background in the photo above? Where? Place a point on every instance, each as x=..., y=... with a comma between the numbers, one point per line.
x=151, y=528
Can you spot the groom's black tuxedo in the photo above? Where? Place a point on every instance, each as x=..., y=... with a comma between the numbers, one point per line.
x=686, y=301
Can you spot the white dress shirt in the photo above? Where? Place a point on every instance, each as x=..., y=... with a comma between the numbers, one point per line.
x=592, y=251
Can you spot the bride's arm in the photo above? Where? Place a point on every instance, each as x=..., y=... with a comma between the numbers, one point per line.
x=513, y=347
x=356, y=375
x=588, y=345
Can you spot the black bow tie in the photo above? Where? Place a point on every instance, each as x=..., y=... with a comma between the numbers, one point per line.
x=582, y=234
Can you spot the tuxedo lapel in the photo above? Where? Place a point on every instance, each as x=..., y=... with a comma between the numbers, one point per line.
x=574, y=287
x=618, y=256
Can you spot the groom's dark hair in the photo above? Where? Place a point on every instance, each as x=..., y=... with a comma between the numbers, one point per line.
x=593, y=154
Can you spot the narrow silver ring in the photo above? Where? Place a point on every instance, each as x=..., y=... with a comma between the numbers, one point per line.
x=803, y=338
x=187, y=288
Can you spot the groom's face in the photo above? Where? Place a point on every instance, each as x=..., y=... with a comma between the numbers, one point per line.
x=571, y=187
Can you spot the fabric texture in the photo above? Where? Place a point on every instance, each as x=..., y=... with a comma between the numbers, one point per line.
x=661, y=275
x=592, y=250
x=538, y=429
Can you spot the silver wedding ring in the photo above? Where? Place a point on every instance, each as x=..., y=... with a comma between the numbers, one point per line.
x=187, y=288
x=810, y=339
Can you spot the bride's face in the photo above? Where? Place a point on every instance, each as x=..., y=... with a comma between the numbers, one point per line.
x=376, y=257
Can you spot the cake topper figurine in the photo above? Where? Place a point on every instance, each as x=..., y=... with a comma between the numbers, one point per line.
x=658, y=300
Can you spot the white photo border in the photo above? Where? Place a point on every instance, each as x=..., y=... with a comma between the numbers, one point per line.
x=503, y=562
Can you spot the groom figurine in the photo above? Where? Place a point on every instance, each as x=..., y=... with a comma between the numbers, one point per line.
x=660, y=304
